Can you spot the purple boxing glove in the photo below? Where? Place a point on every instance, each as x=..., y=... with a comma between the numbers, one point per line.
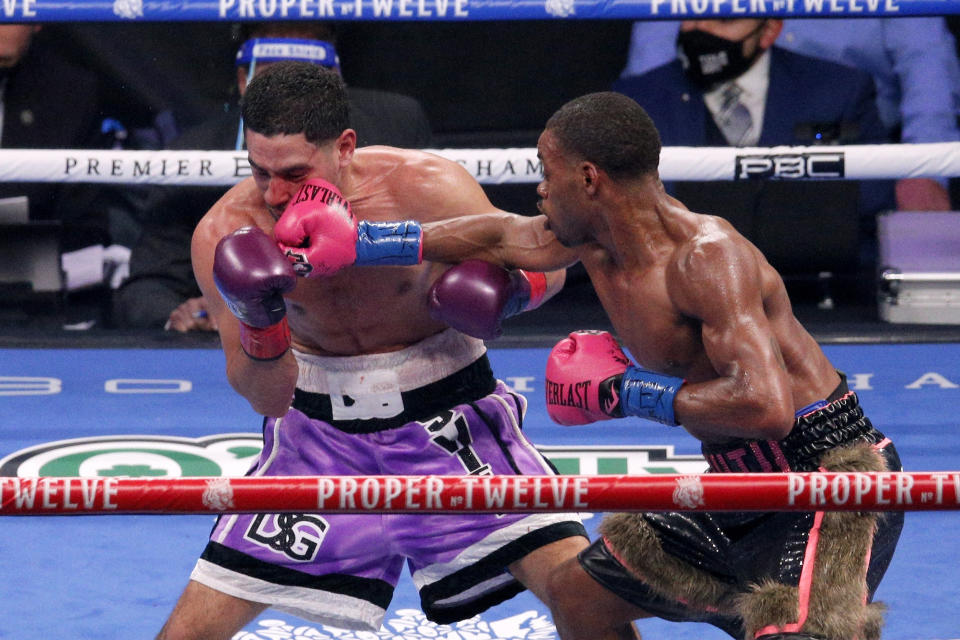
x=252, y=274
x=474, y=297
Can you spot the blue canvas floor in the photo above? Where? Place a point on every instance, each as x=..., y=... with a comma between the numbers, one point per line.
x=171, y=412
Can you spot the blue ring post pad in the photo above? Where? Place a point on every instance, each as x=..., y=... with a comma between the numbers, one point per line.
x=388, y=243
x=649, y=395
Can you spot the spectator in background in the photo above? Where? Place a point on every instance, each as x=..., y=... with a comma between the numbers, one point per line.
x=161, y=290
x=47, y=102
x=722, y=65
x=731, y=86
x=913, y=62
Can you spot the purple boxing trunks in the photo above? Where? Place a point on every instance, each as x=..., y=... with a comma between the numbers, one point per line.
x=433, y=408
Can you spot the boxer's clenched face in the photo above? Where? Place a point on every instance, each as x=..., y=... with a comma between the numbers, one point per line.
x=281, y=163
x=560, y=193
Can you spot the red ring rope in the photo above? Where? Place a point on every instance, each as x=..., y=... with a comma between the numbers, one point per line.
x=889, y=491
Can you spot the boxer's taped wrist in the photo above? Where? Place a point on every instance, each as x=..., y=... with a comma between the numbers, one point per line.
x=648, y=394
x=389, y=243
x=528, y=290
x=538, y=288
x=266, y=343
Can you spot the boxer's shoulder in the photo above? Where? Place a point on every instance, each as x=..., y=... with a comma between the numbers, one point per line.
x=386, y=183
x=410, y=168
x=241, y=206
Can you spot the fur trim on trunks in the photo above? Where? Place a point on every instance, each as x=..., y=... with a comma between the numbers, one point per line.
x=836, y=608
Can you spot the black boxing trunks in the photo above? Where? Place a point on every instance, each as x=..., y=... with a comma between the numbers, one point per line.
x=725, y=568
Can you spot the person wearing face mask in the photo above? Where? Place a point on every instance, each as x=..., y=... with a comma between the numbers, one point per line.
x=730, y=85
x=717, y=59
x=913, y=62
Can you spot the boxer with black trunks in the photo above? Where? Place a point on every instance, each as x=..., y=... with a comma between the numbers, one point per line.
x=355, y=377
x=723, y=355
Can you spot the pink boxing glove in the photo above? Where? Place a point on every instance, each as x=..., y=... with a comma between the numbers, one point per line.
x=319, y=234
x=317, y=231
x=584, y=372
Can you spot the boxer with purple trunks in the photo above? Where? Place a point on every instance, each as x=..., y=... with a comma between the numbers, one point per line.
x=356, y=375
x=439, y=411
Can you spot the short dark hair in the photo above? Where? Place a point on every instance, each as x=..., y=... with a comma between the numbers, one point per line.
x=609, y=129
x=296, y=97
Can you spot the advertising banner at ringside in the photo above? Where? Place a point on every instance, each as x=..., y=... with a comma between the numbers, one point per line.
x=500, y=166
x=454, y=10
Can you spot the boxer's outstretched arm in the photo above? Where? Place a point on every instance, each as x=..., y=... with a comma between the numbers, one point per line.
x=510, y=240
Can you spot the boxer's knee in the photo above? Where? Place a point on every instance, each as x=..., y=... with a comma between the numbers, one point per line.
x=583, y=609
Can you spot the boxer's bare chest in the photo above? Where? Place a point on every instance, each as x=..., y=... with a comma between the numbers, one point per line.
x=364, y=309
x=647, y=323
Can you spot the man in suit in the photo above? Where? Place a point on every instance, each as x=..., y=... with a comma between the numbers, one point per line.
x=731, y=86
x=161, y=290
x=47, y=102
x=782, y=90
x=913, y=62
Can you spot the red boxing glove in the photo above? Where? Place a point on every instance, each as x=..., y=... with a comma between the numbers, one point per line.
x=252, y=276
x=474, y=297
x=317, y=231
x=584, y=372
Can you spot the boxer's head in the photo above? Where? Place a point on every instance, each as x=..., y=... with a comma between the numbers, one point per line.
x=295, y=118
x=600, y=137
x=296, y=97
x=610, y=130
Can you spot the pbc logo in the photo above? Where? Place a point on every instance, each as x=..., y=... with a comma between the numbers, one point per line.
x=791, y=166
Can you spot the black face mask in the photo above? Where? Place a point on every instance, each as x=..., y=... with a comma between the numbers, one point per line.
x=709, y=60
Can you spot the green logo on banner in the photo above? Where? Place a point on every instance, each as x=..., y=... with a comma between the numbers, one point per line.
x=229, y=454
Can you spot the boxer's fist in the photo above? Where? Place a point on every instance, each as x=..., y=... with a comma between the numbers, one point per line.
x=474, y=297
x=584, y=372
x=252, y=275
x=320, y=235
x=317, y=231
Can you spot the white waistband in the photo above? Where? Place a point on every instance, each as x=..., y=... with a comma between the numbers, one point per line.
x=427, y=361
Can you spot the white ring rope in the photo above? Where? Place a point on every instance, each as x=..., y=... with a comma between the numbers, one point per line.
x=500, y=166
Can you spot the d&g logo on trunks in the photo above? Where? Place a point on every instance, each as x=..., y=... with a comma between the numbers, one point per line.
x=296, y=535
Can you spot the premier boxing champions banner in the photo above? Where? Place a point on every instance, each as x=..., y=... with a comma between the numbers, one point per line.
x=456, y=10
x=501, y=166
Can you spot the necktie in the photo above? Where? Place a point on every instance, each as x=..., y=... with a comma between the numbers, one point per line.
x=734, y=118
